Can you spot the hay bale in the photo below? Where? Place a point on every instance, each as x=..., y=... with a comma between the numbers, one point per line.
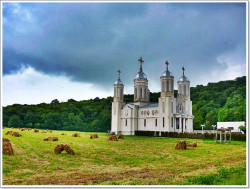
x=94, y=136
x=112, y=138
x=43, y=132
x=192, y=144
x=16, y=134
x=36, y=131
x=69, y=150
x=51, y=139
x=120, y=136
x=63, y=134
x=9, y=133
x=76, y=135
x=50, y=131
x=59, y=148
x=6, y=140
x=7, y=148
x=22, y=129
x=181, y=145
x=29, y=129
x=112, y=133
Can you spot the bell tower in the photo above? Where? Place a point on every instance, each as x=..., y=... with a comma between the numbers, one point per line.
x=118, y=89
x=141, y=91
x=167, y=83
x=184, y=85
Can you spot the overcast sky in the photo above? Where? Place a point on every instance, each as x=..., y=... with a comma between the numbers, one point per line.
x=73, y=50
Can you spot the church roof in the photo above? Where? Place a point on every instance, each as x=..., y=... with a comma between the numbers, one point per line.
x=167, y=73
x=118, y=82
x=183, y=78
x=150, y=105
x=140, y=75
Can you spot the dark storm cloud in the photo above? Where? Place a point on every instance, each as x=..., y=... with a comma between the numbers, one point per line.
x=89, y=42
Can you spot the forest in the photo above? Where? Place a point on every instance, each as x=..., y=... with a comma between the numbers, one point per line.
x=221, y=101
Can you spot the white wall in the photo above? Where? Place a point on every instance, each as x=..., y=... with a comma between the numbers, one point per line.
x=234, y=124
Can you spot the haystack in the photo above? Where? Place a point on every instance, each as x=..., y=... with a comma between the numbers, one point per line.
x=112, y=138
x=43, y=132
x=192, y=144
x=181, y=145
x=63, y=134
x=69, y=150
x=50, y=131
x=120, y=136
x=29, y=129
x=6, y=140
x=51, y=139
x=76, y=135
x=7, y=148
x=16, y=134
x=22, y=129
x=94, y=136
x=36, y=131
x=60, y=147
x=9, y=133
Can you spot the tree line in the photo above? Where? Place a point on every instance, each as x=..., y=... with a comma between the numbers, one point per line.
x=222, y=101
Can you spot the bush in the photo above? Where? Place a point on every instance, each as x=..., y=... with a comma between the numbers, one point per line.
x=235, y=136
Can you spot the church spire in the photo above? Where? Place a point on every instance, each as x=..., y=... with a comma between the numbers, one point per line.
x=141, y=61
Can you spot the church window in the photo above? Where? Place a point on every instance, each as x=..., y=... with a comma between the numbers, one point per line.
x=172, y=107
x=145, y=93
x=185, y=123
x=163, y=86
x=155, y=122
x=172, y=86
x=135, y=92
x=172, y=122
x=114, y=92
x=163, y=122
x=121, y=91
x=126, y=122
x=144, y=122
x=167, y=85
x=163, y=107
x=140, y=92
x=184, y=89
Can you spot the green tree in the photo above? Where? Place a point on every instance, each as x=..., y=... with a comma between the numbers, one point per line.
x=15, y=121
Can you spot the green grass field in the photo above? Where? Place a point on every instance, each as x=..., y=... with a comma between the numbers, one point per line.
x=135, y=160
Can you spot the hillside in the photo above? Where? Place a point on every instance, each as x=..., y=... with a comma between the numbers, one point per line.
x=222, y=101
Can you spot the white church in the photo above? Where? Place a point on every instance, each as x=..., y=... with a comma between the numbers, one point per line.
x=170, y=114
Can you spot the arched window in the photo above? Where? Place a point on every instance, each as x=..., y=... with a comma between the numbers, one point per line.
x=121, y=91
x=172, y=86
x=126, y=122
x=167, y=86
x=184, y=89
x=163, y=86
x=140, y=92
x=135, y=92
x=145, y=94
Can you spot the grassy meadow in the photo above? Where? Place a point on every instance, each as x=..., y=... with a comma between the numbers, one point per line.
x=134, y=160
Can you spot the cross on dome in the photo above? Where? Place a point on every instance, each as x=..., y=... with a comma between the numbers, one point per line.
x=141, y=61
x=119, y=72
x=183, y=69
x=167, y=63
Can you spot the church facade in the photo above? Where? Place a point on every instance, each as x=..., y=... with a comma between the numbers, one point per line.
x=170, y=114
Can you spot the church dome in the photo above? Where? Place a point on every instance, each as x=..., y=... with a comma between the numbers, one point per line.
x=119, y=82
x=141, y=75
x=183, y=78
x=167, y=73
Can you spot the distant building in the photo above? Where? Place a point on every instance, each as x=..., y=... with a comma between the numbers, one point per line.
x=234, y=125
x=168, y=115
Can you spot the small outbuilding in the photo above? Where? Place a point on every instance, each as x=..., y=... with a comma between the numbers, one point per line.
x=232, y=125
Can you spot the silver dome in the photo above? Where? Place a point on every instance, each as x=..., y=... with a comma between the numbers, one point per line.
x=140, y=75
x=167, y=73
x=183, y=78
x=118, y=82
